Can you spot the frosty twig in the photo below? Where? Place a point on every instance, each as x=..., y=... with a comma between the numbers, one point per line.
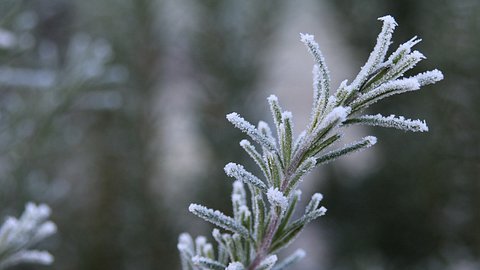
x=259, y=229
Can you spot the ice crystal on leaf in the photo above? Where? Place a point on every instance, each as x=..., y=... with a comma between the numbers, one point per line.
x=263, y=225
x=235, y=266
x=276, y=198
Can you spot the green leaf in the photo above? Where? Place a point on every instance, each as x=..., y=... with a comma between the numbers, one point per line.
x=286, y=238
x=252, y=152
x=208, y=263
x=295, y=198
x=276, y=112
x=286, y=139
x=218, y=218
x=357, y=146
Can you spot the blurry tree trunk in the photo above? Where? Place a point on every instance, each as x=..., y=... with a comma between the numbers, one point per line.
x=228, y=55
x=127, y=225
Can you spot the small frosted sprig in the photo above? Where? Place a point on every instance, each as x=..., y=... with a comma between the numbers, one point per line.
x=17, y=236
x=314, y=202
x=263, y=225
x=197, y=254
x=377, y=56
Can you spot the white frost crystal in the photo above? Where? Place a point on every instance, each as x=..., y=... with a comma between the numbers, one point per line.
x=429, y=77
x=276, y=197
x=337, y=114
x=372, y=140
x=235, y=266
x=268, y=262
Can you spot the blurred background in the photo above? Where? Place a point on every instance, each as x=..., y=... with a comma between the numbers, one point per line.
x=112, y=112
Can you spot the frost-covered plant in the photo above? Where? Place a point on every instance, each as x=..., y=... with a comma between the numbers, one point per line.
x=259, y=228
x=17, y=236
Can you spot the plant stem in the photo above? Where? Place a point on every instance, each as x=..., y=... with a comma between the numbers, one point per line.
x=266, y=242
x=274, y=222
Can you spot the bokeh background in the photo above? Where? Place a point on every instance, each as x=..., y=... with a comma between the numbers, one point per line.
x=112, y=112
